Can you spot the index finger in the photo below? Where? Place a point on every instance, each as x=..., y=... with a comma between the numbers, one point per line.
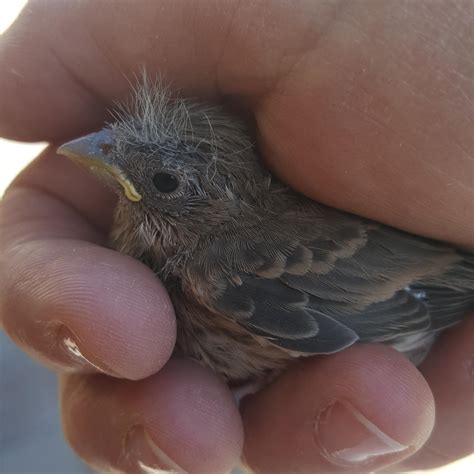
x=65, y=298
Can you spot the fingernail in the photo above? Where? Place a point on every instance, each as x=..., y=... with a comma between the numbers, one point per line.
x=69, y=343
x=145, y=455
x=348, y=437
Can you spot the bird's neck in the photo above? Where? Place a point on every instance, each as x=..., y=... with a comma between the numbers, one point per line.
x=166, y=246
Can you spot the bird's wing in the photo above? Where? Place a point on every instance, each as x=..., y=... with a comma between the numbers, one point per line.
x=321, y=295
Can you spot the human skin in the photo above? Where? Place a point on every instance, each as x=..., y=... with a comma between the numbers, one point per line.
x=366, y=106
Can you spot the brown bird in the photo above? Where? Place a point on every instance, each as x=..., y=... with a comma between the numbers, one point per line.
x=260, y=275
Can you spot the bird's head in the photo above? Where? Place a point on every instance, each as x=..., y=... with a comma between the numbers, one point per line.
x=187, y=165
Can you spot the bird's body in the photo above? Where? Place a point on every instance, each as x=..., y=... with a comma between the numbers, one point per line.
x=259, y=274
x=357, y=280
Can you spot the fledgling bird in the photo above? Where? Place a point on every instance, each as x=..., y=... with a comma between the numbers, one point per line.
x=260, y=275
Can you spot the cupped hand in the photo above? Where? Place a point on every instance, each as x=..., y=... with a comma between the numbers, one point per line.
x=365, y=106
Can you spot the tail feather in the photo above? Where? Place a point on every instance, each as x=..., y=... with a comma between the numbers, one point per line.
x=449, y=296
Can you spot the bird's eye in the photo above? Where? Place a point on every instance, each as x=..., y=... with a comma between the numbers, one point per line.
x=165, y=182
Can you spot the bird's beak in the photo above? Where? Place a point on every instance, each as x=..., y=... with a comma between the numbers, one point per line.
x=94, y=151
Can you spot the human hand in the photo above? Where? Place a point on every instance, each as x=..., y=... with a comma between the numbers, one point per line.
x=345, y=103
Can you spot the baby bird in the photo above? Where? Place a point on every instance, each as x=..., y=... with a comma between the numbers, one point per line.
x=260, y=275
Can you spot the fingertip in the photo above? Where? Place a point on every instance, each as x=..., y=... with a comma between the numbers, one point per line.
x=84, y=307
x=216, y=416
x=182, y=419
x=364, y=408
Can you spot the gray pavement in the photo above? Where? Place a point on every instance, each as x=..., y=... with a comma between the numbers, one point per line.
x=31, y=441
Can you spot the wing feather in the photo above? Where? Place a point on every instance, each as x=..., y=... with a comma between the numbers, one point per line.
x=319, y=295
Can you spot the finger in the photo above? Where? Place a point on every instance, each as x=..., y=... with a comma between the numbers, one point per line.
x=65, y=299
x=400, y=154
x=449, y=370
x=319, y=76
x=88, y=67
x=182, y=419
x=358, y=410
